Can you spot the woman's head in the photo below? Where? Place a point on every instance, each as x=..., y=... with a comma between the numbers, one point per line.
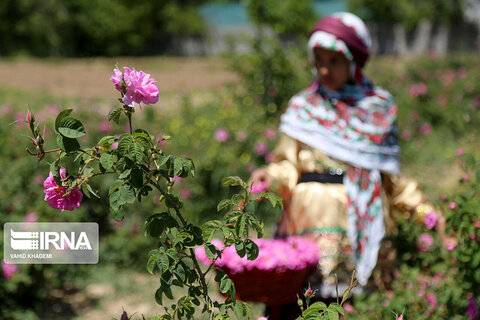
x=343, y=40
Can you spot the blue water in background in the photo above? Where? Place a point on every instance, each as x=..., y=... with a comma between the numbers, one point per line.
x=235, y=14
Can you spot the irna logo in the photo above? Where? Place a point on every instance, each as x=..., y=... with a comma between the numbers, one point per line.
x=21, y=240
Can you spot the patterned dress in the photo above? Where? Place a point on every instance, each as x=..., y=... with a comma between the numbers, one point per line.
x=318, y=210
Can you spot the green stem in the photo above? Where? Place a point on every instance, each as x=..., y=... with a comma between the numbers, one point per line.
x=190, y=250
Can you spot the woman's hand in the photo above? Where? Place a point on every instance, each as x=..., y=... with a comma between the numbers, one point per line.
x=262, y=176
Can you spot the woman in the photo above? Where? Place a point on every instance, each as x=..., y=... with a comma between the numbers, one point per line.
x=336, y=164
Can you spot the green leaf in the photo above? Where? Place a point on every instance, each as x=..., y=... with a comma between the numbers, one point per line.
x=225, y=285
x=127, y=194
x=135, y=151
x=223, y=203
x=115, y=200
x=106, y=159
x=252, y=249
x=151, y=264
x=180, y=272
x=234, y=181
x=91, y=190
x=208, y=229
x=65, y=113
x=71, y=128
x=158, y=296
x=177, y=166
x=242, y=310
x=123, y=143
x=119, y=214
x=337, y=307
x=240, y=248
x=163, y=262
x=115, y=186
x=331, y=314
x=210, y=251
x=67, y=144
x=115, y=114
x=241, y=227
x=136, y=177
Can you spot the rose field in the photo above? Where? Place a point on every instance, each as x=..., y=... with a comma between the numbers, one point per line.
x=217, y=118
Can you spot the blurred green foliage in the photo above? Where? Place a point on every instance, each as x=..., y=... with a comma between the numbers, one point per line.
x=95, y=28
x=408, y=12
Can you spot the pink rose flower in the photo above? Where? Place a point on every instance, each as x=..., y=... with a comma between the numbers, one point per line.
x=56, y=195
x=292, y=253
x=114, y=146
x=185, y=193
x=459, y=152
x=406, y=135
x=258, y=187
x=477, y=224
x=261, y=148
x=424, y=242
x=31, y=217
x=6, y=109
x=400, y=317
x=450, y=246
x=270, y=133
x=9, y=269
x=466, y=177
x=432, y=300
x=137, y=86
x=452, y=205
x=348, y=308
x=221, y=135
x=270, y=157
x=431, y=220
x=105, y=126
x=425, y=129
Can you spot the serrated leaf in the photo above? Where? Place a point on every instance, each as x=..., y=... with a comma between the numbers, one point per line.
x=123, y=143
x=234, y=181
x=106, y=160
x=241, y=227
x=115, y=114
x=65, y=113
x=151, y=264
x=331, y=314
x=71, y=128
x=163, y=263
x=223, y=203
x=135, y=151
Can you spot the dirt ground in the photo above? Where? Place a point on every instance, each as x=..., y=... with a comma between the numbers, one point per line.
x=89, y=78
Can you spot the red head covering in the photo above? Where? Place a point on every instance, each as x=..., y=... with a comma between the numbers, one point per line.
x=347, y=34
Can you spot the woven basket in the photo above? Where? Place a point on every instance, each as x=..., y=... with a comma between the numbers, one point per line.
x=273, y=288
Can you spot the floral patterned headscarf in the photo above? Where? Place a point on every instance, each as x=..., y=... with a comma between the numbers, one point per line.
x=355, y=124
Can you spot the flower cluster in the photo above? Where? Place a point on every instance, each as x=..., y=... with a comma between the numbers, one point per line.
x=292, y=253
x=136, y=86
x=58, y=197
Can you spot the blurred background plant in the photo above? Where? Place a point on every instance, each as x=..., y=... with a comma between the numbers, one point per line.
x=232, y=128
